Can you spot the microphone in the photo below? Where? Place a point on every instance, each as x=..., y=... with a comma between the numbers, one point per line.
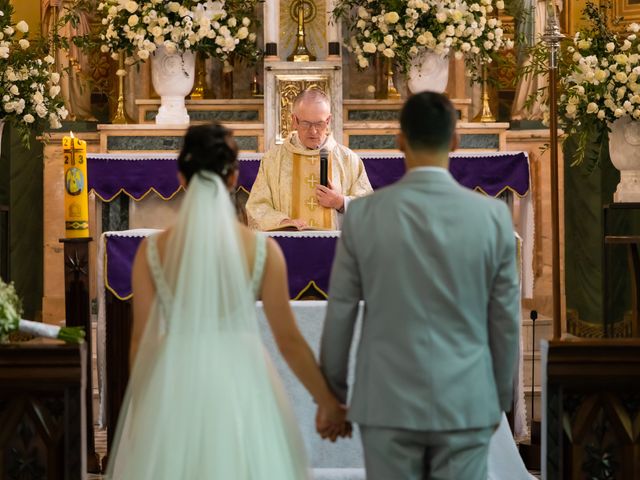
x=324, y=167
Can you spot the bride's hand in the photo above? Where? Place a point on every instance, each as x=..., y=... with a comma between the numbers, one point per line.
x=331, y=421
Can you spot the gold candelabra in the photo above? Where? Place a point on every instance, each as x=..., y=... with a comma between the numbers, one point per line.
x=392, y=92
x=300, y=52
x=120, y=117
x=485, y=115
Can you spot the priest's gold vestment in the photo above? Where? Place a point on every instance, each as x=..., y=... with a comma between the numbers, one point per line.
x=285, y=185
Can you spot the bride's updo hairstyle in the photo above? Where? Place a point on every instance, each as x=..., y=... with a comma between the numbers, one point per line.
x=208, y=148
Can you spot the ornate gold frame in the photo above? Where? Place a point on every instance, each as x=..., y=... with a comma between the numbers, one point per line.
x=628, y=9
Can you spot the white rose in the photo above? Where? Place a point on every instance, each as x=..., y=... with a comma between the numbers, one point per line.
x=391, y=17
x=584, y=44
x=28, y=118
x=361, y=24
x=54, y=90
x=621, y=77
x=22, y=26
x=601, y=114
x=41, y=110
x=24, y=43
x=592, y=107
x=4, y=52
x=55, y=77
x=14, y=90
x=9, y=30
x=369, y=47
x=130, y=7
x=618, y=112
x=421, y=39
x=243, y=32
x=246, y=22
x=387, y=52
x=143, y=54
x=113, y=11
x=362, y=12
x=610, y=47
x=156, y=31
x=388, y=40
x=600, y=75
x=571, y=109
x=441, y=17
x=133, y=20
x=38, y=97
x=54, y=121
x=363, y=62
x=173, y=7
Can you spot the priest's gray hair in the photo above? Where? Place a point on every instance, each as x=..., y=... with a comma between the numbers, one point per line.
x=311, y=95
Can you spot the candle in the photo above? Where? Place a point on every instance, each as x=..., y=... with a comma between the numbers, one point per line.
x=76, y=200
x=333, y=29
x=271, y=21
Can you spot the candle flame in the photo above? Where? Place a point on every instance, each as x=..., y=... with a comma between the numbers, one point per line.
x=71, y=134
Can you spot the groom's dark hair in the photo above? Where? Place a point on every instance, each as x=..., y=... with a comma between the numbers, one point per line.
x=428, y=121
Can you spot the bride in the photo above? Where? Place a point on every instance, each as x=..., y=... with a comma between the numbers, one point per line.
x=203, y=400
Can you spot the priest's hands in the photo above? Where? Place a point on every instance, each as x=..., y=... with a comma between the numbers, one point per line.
x=331, y=422
x=328, y=197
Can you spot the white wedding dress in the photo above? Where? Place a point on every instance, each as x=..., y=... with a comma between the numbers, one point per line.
x=203, y=400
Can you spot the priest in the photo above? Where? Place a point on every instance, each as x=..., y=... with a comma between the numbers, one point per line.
x=287, y=193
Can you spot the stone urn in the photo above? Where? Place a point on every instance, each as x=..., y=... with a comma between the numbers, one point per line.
x=624, y=150
x=428, y=72
x=172, y=75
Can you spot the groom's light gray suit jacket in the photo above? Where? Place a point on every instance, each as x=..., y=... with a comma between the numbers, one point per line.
x=436, y=266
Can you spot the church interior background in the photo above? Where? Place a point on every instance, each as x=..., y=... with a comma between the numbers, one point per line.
x=115, y=115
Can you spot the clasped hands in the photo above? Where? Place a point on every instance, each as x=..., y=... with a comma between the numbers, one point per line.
x=331, y=421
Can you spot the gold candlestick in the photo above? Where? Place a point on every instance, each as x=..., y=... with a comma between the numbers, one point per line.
x=300, y=51
x=120, y=117
x=392, y=92
x=199, y=89
x=485, y=115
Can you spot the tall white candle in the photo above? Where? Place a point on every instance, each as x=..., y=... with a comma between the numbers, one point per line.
x=333, y=28
x=271, y=21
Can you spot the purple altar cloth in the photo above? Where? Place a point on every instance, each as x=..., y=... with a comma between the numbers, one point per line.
x=309, y=261
x=138, y=174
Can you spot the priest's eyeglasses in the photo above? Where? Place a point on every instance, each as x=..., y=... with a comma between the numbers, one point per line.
x=318, y=126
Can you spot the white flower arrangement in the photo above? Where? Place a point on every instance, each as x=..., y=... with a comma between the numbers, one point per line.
x=599, y=76
x=139, y=27
x=29, y=90
x=403, y=29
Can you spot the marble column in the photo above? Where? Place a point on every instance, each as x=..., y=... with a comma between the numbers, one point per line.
x=271, y=29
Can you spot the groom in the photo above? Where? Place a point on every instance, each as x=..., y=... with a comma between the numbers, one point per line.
x=435, y=264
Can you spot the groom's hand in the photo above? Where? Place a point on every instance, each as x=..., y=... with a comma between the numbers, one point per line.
x=331, y=422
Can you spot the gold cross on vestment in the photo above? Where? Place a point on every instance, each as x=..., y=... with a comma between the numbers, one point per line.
x=311, y=223
x=311, y=203
x=312, y=180
x=312, y=159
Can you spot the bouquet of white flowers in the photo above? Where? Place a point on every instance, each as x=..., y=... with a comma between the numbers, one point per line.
x=139, y=27
x=10, y=321
x=29, y=89
x=402, y=29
